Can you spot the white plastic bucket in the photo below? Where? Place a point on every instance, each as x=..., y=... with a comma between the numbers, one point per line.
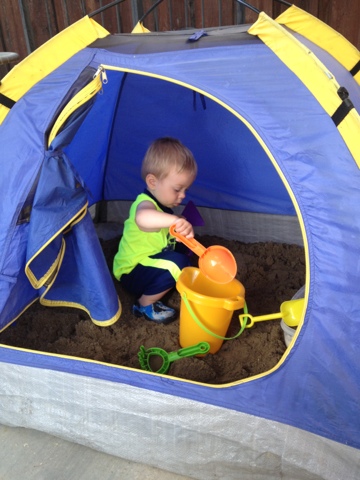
x=288, y=332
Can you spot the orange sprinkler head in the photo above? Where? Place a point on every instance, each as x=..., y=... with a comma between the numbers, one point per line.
x=215, y=262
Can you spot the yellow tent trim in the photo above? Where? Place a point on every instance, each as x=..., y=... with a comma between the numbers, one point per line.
x=313, y=73
x=322, y=35
x=139, y=28
x=99, y=323
x=50, y=274
x=79, y=99
x=48, y=57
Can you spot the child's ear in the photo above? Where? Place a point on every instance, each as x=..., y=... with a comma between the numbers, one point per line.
x=150, y=180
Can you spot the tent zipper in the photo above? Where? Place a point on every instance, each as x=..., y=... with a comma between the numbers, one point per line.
x=83, y=96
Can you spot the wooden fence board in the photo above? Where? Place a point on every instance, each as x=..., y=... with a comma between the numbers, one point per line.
x=311, y=6
x=61, y=15
x=211, y=13
x=262, y=6
x=38, y=18
x=12, y=32
x=126, y=20
x=108, y=18
x=347, y=20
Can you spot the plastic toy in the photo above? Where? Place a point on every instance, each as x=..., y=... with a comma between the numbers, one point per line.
x=215, y=262
x=290, y=313
x=192, y=215
x=158, y=360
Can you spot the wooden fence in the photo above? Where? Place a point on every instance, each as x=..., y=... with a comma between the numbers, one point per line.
x=27, y=24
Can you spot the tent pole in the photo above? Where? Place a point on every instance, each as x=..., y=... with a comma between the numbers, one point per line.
x=248, y=5
x=105, y=7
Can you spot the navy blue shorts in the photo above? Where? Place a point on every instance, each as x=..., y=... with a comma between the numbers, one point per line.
x=151, y=280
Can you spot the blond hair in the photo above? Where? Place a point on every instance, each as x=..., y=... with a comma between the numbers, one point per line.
x=164, y=154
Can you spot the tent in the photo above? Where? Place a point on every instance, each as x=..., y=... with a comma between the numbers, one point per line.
x=271, y=112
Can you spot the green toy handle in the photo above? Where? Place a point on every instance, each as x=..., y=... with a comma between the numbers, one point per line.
x=209, y=332
x=198, y=349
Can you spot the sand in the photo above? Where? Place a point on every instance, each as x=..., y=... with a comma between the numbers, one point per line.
x=271, y=274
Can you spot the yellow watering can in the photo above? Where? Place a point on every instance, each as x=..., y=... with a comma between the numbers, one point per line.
x=290, y=312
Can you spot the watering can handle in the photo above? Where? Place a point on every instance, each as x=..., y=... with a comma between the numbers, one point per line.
x=191, y=243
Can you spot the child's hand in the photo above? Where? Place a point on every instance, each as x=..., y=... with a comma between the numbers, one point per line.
x=184, y=228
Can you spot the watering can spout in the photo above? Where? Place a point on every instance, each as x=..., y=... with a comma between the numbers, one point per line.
x=215, y=262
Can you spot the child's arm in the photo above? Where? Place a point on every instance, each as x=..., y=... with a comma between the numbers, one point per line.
x=148, y=219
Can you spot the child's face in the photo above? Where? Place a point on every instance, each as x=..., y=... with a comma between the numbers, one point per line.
x=171, y=190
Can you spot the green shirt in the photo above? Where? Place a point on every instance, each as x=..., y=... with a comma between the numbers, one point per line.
x=136, y=246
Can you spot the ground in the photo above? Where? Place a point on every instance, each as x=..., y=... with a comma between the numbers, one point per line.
x=271, y=273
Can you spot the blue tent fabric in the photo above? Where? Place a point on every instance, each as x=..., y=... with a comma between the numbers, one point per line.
x=280, y=154
x=63, y=251
x=37, y=245
x=83, y=278
x=58, y=200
